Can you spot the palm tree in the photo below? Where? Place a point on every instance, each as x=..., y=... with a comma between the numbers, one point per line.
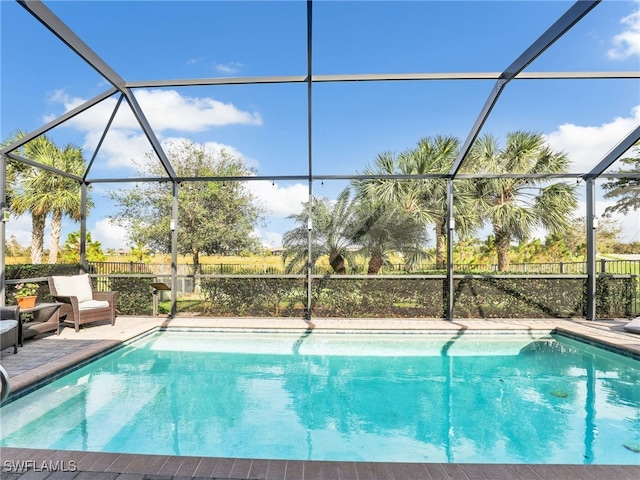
x=41, y=192
x=64, y=193
x=425, y=199
x=516, y=206
x=386, y=229
x=13, y=168
x=25, y=198
x=332, y=234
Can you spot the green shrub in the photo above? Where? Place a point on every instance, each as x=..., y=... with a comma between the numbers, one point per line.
x=135, y=295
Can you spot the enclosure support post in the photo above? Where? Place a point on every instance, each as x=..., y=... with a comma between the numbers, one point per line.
x=450, y=229
x=592, y=224
x=173, y=225
x=84, y=268
x=3, y=227
x=310, y=158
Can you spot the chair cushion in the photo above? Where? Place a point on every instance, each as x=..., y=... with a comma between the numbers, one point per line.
x=633, y=326
x=74, y=286
x=91, y=304
x=7, y=325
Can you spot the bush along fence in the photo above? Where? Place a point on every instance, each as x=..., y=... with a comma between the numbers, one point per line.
x=424, y=297
x=342, y=296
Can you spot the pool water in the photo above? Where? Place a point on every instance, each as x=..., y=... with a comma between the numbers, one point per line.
x=351, y=397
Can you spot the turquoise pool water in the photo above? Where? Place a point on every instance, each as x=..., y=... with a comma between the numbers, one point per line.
x=376, y=397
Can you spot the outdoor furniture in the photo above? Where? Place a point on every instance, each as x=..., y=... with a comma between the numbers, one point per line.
x=9, y=322
x=159, y=286
x=46, y=317
x=80, y=303
x=633, y=326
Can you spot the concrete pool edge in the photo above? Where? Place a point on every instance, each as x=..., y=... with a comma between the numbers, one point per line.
x=122, y=466
x=619, y=342
x=28, y=462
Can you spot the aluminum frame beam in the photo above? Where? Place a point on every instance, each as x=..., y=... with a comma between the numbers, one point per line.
x=424, y=176
x=591, y=222
x=75, y=43
x=41, y=166
x=149, y=132
x=615, y=153
x=575, y=13
x=309, y=156
x=61, y=119
x=376, y=77
x=104, y=134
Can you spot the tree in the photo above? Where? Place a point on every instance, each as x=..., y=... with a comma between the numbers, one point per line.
x=62, y=193
x=516, y=206
x=575, y=237
x=41, y=192
x=385, y=229
x=626, y=190
x=70, y=251
x=140, y=253
x=351, y=226
x=607, y=235
x=13, y=167
x=27, y=198
x=425, y=199
x=214, y=217
x=332, y=234
x=13, y=248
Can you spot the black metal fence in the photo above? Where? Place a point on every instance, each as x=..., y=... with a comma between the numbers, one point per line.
x=616, y=267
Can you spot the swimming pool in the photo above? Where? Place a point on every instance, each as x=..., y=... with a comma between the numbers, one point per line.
x=357, y=397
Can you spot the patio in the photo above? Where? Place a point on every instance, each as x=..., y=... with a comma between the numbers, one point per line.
x=47, y=355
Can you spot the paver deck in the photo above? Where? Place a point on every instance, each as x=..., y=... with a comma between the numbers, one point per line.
x=48, y=355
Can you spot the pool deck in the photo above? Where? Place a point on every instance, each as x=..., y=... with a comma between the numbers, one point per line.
x=45, y=356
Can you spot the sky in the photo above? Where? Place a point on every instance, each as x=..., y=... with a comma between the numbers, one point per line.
x=352, y=122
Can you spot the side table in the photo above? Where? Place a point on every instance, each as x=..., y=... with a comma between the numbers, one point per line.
x=46, y=317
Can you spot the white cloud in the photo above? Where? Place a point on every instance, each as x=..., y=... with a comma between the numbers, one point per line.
x=164, y=109
x=120, y=148
x=215, y=149
x=627, y=43
x=168, y=109
x=280, y=201
x=229, y=68
x=195, y=60
x=109, y=235
x=20, y=228
x=272, y=239
x=587, y=145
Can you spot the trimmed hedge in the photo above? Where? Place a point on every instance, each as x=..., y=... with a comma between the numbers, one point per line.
x=371, y=297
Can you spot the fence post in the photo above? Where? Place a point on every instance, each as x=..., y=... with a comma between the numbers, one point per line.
x=603, y=265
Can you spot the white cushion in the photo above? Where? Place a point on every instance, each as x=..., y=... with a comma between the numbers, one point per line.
x=74, y=286
x=90, y=304
x=633, y=326
x=7, y=325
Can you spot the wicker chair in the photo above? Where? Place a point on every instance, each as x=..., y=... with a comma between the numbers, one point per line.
x=9, y=324
x=80, y=303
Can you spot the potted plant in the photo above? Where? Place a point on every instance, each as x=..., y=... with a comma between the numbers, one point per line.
x=26, y=294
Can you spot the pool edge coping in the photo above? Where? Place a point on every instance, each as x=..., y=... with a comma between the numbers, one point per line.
x=49, y=373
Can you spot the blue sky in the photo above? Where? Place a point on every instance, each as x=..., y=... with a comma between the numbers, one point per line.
x=352, y=122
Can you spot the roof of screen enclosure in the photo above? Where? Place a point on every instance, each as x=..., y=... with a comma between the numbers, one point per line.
x=125, y=90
